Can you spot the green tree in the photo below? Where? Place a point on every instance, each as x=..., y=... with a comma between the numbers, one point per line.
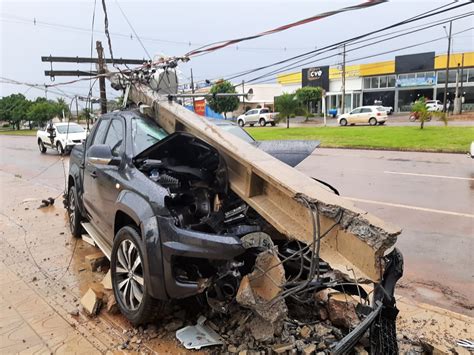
x=62, y=106
x=308, y=94
x=14, y=108
x=42, y=111
x=223, y=104
x=287, y=105
x=419, y=107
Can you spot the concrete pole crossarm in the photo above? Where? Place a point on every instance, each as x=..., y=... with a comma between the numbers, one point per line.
x=282, y=194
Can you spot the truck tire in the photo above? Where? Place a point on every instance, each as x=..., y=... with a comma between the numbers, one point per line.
x=60, y=148
x=129, y=281
x=262, y=122
x=74, y=215
x=41, y=146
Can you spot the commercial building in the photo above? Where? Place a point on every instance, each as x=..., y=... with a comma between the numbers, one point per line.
x=397, y=83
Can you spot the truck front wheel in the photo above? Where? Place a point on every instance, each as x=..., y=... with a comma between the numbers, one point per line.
x=41, y=146
x=129, y=280
x=74, y=213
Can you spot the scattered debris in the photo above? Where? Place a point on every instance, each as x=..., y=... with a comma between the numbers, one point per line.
x=47, y=202
x=91, y=302
x=342, y=310
x=107, y=281
x=174, y=325
x=198, y=336
x=282, y=348
x=93, y=261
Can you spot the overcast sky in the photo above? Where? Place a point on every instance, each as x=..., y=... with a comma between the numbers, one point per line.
x=63, y=28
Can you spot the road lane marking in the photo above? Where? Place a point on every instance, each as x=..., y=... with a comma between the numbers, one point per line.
x=429, y=175
x=457, y=214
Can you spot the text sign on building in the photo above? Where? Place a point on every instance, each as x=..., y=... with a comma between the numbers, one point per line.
x=316, y=76
x=200, y=107
x=422, y=81
x=414, y=62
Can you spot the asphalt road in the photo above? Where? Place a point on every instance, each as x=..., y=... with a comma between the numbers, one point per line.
x=429, y=195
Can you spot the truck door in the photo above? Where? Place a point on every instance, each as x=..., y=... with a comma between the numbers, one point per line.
x=109, y=180
x=90, y=170
x=252, y=117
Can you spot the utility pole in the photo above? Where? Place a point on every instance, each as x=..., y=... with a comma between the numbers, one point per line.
x=343, y=100
x=77, y=110
x=192, y=90
x=101, y=71
x=243, y=97
x=447, y=66
x=462, y=81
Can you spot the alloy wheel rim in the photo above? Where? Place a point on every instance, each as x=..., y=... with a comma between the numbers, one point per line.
x=129, y=279
x=72, y=209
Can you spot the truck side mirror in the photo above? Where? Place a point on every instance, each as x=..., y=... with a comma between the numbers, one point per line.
x=101, y=154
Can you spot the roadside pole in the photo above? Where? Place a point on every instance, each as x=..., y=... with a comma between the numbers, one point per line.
x=323, y=104
x=101, y=70
x=457, y=106
x=447, y=66
x=192, y=90
x=77, y=110
x=343, y=100
x=462, y=81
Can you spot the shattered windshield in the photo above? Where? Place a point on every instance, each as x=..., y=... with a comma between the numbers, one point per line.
x=145, y=133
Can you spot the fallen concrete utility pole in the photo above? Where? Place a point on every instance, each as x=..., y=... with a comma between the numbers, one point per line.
x=355, y=242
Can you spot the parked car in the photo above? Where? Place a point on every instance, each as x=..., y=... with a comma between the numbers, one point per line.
x=160, y=207
x=60, y=136
x=434, y=105
x=372, y=115
x=262, y=116
x=388, y=109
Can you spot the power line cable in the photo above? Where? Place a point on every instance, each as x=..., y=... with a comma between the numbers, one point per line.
x=366, y=57
x=133, y=29
x=221, y=44
x=302, y=62
x=309, y=54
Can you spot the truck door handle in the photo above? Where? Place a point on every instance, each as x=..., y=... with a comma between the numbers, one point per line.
x=93, y=174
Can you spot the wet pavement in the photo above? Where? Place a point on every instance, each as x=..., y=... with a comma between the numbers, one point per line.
x=43, y=276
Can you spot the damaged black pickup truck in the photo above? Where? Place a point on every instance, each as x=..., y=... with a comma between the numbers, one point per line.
x=161, y=208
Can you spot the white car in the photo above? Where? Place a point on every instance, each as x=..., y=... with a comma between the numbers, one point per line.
x=434, y=105
x=262, y=116
x=60, y=136
x=372, y=115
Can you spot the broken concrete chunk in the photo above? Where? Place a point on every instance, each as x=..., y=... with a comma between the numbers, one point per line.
x=93, y=261
x=305, y=332
x=91, y=302
x=342, y=311
x=107, y=281
x=282, y=348
x=261, y=329
x=112, y=306
x=309, y=350
x=323, y=295
x=258, y=290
